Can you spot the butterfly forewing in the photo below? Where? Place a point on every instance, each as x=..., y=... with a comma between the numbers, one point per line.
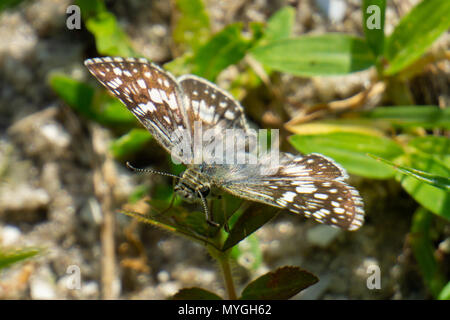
x=149, y=92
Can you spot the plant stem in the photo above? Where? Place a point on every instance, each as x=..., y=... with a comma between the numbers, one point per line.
x=227, y=276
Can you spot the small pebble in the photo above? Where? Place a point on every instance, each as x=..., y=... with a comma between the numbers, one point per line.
x=42, y=289
x=9, y=235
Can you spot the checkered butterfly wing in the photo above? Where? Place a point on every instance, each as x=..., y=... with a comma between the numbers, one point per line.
x=312, y=185
x=210, y=105
x=150, y=93
x=215, y=112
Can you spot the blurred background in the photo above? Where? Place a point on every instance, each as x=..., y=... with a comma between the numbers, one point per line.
x=310, y=68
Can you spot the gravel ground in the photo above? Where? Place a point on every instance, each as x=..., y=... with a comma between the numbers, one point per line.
x=51, y=188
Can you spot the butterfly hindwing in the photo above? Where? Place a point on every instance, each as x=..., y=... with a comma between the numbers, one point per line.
x=311, y=185
x=210, y=105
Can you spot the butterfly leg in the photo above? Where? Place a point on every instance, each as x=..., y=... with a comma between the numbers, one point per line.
x=209, y=219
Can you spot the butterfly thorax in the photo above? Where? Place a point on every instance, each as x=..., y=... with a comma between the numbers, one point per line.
x=191, y=185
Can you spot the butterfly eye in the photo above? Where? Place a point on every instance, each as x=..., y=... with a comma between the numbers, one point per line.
x=204, y=191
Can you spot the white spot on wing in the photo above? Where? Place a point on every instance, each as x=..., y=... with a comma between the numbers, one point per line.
x=229, y=115
x=195, y=106
x=166, y=83
x=115, y=83
x=154, y=95
x=172, y=101
x=117, y=71
x=306, y=189
x=295, y=169
x=322, y=196
x=149, y=106
x=339, y=210
x=206, y=113
x=142, y=84
x=289, y=196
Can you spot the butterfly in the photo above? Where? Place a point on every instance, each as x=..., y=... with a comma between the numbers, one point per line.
x=172, y=108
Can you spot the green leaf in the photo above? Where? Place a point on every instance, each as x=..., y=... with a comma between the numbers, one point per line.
x=138, y=193
x=225, y=48
x=445, y=292
x=76, y=94
x=225, y=208
x=110, y=39
x=248, y=253
x=112, y=112
x=280, y=24
x=191, y=25
x=373, y=14
x=248, y=222
x=350, y=149
x=130, y=143
x=257, y=30
x=434, y=199
x=178, y=220
x=428, y=117
x=99, y=107
x=363, y=126
x=9, y=257
x=165, y=193
x=432, y=179
x=415, y=33
x=9, y=4
x=434, y=146
x=283, y=283
x=329, y=54
x=190, y=221
x=180, y=65
x=176, y=168
x=423, y=250
x=195, y=294
x=90, y=8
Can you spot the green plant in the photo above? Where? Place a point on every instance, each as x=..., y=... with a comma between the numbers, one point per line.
x=362, y=141
x=9, y=257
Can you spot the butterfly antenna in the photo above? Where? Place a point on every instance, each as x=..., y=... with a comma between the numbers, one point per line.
x=151, y=171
